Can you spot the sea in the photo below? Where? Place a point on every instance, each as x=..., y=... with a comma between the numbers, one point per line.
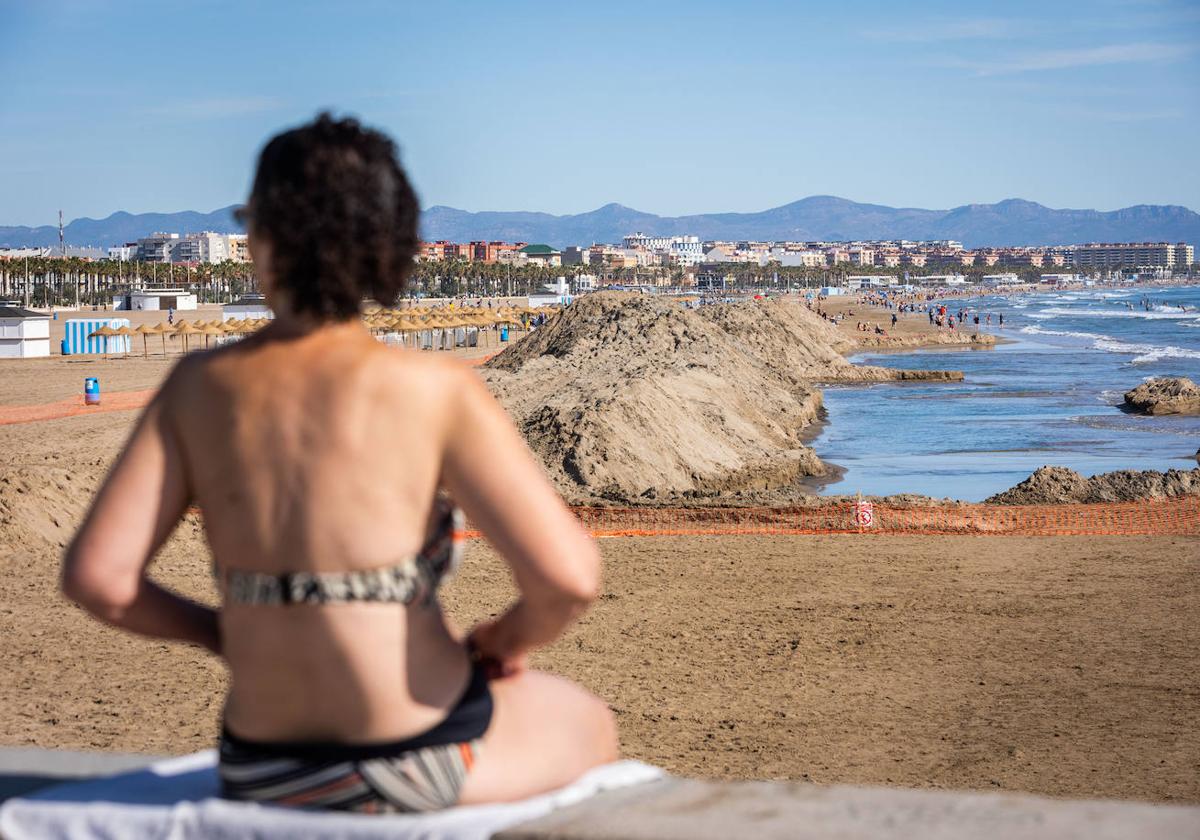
x=1051, y=395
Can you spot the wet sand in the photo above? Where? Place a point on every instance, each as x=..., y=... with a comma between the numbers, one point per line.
x=912, y=329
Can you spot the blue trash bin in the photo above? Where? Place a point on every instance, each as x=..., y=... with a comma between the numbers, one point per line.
x=91, y=391
x=504, y=333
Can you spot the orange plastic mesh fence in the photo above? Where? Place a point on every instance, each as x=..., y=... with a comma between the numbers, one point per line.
x=1168, y=517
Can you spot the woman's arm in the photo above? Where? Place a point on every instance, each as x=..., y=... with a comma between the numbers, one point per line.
x=494, y=477
x=135, y=510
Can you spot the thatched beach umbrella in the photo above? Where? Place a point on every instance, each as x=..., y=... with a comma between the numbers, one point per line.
x=185, y=329
x=106, y=332
x=125, y=332
x=144, y=330
x=209, y=331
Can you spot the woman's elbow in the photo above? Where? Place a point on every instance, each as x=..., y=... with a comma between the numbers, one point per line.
x=583, y=585
x=103, y=595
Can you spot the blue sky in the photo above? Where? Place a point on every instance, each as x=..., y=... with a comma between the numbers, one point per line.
x=669, y=107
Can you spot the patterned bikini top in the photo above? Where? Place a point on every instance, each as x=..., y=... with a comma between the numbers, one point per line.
x=414, y=579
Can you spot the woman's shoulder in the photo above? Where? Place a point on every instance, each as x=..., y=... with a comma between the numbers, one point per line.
x=419, y=372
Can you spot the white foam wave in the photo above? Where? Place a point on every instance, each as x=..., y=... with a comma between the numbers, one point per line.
x=1143, y=353
x=1034, y=329
x=1167, y=313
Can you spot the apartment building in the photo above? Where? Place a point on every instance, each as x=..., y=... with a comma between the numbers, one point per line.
x=157, y=247
x=1104, y=255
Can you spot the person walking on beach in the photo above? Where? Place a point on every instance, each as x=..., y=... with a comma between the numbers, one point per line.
x=170, y=315
x=328, y=467
x=894, y=319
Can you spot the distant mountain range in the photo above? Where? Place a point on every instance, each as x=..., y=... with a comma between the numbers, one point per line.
x=1011, y=222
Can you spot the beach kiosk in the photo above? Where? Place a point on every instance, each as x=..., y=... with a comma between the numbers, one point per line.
x=247, y=307
x=24, y=334
x=78, y=338
x=155, y=300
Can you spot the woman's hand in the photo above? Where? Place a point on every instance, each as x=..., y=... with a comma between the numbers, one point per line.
x=490, y=645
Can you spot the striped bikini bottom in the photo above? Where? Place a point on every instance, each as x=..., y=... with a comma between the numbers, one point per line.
x=423, y=773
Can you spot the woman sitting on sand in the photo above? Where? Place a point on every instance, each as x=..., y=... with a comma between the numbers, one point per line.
x=318, y=457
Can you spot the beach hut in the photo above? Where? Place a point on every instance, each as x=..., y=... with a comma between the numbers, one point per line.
x=24, y=334
x=78, y=336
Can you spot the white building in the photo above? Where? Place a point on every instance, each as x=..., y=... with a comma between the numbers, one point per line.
x=683, y=250
x=247, y=306
x=204, y=247
x=941, y=280
x=1001, y=280
x=869, y=281
x=123, y=253
x=686, y=250
x=154, y=300
x=24, y=334
x=805, y=259
x=1059, y=279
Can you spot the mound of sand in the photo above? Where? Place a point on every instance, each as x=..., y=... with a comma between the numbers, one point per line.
x=1059, y=485
x=1165, y=395
x=628, y=398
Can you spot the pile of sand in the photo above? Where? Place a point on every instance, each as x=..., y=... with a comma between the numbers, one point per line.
x=1059, y=485
x=1165, y=395
x=628, y=398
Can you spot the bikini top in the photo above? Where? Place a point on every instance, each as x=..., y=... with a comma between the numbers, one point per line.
x=416, y=578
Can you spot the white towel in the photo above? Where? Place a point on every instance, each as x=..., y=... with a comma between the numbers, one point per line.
x=177, y=799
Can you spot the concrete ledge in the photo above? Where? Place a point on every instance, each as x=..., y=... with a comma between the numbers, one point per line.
x=685, y=809
x=24, y=770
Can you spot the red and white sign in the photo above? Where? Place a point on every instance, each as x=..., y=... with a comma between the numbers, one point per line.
x=864, y=514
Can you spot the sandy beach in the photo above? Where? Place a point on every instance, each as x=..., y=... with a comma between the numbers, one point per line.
x=1065, y=666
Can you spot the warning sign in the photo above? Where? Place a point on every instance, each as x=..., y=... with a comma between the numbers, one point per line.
x=864, y=514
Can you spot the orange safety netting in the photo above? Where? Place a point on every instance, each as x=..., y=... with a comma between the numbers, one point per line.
x=1158, y=517
x=74, y=406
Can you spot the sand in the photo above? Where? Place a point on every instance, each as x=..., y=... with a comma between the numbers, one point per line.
x=633, y=399
x=1065, y=666
x=1059, y=485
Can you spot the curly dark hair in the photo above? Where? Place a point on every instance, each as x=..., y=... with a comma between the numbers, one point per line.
x=340, y=214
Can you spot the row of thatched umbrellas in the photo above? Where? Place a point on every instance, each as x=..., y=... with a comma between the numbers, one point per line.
x=380, y=321
x=445, y=321
x=183, y=328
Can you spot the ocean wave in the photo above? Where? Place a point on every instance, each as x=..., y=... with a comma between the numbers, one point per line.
x=1167, y=314
x=1034, y=329
x=1143, y=353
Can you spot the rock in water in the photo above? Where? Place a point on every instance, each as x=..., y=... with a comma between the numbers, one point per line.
x=1165, y=395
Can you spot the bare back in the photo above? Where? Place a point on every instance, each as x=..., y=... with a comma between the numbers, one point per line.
x=321, y=453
